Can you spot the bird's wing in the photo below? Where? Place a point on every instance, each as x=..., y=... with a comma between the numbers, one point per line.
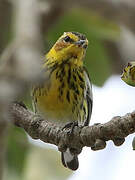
x=88, y=97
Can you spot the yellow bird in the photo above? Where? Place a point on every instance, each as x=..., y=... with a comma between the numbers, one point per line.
x=66, y=95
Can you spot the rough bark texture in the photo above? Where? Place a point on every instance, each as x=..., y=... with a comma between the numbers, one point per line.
x=94, y=136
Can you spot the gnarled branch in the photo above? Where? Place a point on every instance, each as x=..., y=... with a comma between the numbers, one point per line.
x=94, y=136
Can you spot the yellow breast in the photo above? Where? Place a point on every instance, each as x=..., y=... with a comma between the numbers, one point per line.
x=52, y=99
x=62, y=96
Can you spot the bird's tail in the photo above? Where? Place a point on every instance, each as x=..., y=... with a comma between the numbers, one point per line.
x=69, y=160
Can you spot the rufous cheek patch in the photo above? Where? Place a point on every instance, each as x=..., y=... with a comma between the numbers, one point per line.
x=60, y=45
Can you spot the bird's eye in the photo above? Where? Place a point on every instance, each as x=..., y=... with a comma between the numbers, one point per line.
x=67, y=39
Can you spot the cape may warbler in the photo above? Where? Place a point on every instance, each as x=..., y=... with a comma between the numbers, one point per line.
x=66, y=95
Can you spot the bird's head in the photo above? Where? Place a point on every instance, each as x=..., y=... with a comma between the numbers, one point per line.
x=70, y=46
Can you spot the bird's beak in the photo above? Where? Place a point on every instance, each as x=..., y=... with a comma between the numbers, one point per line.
x=82, y=43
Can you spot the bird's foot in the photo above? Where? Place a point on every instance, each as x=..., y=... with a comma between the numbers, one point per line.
x=70, y=126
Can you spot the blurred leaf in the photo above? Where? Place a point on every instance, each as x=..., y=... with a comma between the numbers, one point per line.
x=27, y=99
x=16, y=151
x=96, y=29
x=97, y=62
x=128, y=75
x=5, y=24
x=44, y=164
x=86, y=22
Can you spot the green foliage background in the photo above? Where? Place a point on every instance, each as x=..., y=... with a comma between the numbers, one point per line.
x=28, y=162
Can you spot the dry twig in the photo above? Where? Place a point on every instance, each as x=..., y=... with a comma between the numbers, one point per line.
x=94, y=136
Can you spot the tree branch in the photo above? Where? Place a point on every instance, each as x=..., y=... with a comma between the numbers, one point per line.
x=94, y=136
x=121, y=12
